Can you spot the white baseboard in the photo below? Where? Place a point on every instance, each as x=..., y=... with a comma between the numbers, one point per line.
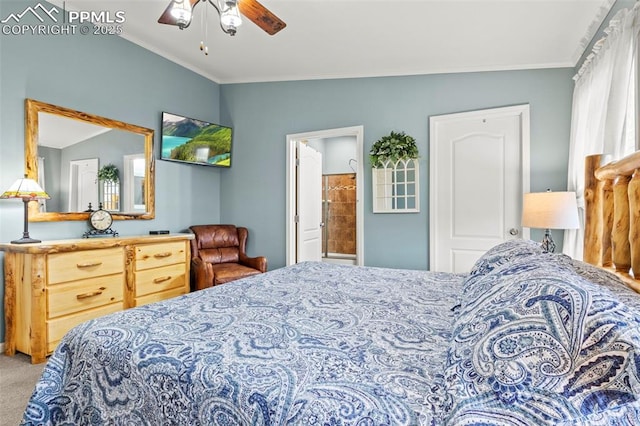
x=1, y=347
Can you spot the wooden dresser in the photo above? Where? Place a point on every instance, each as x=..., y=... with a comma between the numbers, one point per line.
x=53, y=286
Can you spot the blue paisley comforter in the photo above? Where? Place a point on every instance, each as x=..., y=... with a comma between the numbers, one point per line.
x=310, y=344
x=526, y=338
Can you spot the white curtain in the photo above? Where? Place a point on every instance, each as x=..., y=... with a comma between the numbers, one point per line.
x=604, y=108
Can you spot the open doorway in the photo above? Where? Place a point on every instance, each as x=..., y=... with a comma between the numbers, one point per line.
x=340, y=206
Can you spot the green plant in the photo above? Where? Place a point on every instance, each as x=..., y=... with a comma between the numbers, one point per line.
x=394, y=147
x=109, y=173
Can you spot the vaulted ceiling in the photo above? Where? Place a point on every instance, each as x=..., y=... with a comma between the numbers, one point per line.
x=363, y=38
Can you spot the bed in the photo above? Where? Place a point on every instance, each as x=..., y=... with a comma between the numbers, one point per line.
x=525, y=338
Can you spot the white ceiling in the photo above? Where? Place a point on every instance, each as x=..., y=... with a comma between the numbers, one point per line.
x=361, y=38
x=59, y=132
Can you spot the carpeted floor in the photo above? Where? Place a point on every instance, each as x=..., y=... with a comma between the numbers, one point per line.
x=17, y=379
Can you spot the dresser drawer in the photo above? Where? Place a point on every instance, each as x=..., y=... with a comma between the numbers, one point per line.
x=157, y=297
x=159, y=279
x=63, y=267
x=154, y=255
x=57, y=328
x=81, y=295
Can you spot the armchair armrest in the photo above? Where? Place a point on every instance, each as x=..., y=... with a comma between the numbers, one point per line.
x=202, y=274
x=259, y=262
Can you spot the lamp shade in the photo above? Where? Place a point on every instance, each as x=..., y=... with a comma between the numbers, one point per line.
x=550, y=210
x=25, y=188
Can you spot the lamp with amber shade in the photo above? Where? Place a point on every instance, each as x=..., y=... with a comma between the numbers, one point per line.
x=27, y=190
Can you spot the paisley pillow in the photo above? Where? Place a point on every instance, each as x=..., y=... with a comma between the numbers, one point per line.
x=497, y=257
x=543, y=345
x=604, y=278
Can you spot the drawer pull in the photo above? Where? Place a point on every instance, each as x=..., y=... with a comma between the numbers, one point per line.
x=161, y=279
x=87, y=265
x=161, y=255
x=90, y=294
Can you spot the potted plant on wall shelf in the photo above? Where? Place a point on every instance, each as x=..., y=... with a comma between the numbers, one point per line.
x=110, y=177
x=396, y=180
x=391, y=148
x=109, y=173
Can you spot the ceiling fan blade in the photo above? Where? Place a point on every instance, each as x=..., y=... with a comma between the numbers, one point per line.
x=261, y=16
x=168, y=18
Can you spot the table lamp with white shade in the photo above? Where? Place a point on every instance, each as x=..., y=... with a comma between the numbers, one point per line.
x=550, y=210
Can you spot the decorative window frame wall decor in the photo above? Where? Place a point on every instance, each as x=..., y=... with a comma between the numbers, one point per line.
x=395, y=174
x=396, y=187
x=109, y=176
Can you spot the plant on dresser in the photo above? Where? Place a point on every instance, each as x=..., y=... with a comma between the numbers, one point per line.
x=51, y=287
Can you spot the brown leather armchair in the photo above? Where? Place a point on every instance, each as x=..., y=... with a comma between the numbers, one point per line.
x=218, y=256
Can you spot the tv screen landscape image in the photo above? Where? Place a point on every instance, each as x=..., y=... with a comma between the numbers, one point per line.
x=194, y=141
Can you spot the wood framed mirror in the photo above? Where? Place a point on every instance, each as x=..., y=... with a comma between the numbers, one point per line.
x=70, y=152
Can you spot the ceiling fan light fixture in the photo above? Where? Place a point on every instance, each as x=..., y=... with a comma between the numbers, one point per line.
x=230, y=15
x=180, y=14
x=182, y=10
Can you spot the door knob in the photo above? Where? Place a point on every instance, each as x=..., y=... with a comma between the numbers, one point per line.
x=513, y=231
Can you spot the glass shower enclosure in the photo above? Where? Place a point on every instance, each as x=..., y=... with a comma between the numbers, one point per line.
x=339, y=217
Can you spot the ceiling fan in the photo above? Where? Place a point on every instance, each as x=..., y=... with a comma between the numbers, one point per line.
x=179, y=13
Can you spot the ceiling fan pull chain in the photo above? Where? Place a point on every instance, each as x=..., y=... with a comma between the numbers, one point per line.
x=202, y=26
x=206, y=30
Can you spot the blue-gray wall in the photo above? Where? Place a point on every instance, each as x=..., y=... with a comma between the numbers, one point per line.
x=338, y=153
x=110, y=77
x=264, y=113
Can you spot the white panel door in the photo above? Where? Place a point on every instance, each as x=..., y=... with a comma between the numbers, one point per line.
x=477, y=184
x=309, y=208
x=83, y=184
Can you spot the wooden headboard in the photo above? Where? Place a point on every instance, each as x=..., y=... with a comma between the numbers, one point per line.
x=612, y=216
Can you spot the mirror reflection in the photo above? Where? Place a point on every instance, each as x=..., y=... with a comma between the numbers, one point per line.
x=85, y=162
x=82, y=164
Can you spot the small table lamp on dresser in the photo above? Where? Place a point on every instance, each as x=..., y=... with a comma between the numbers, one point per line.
x=26, y=190
x=550, y=210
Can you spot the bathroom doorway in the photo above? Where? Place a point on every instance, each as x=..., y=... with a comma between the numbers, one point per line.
x=341, y=209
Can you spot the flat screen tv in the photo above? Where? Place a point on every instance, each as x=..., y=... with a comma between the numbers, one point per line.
x=196, y=142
